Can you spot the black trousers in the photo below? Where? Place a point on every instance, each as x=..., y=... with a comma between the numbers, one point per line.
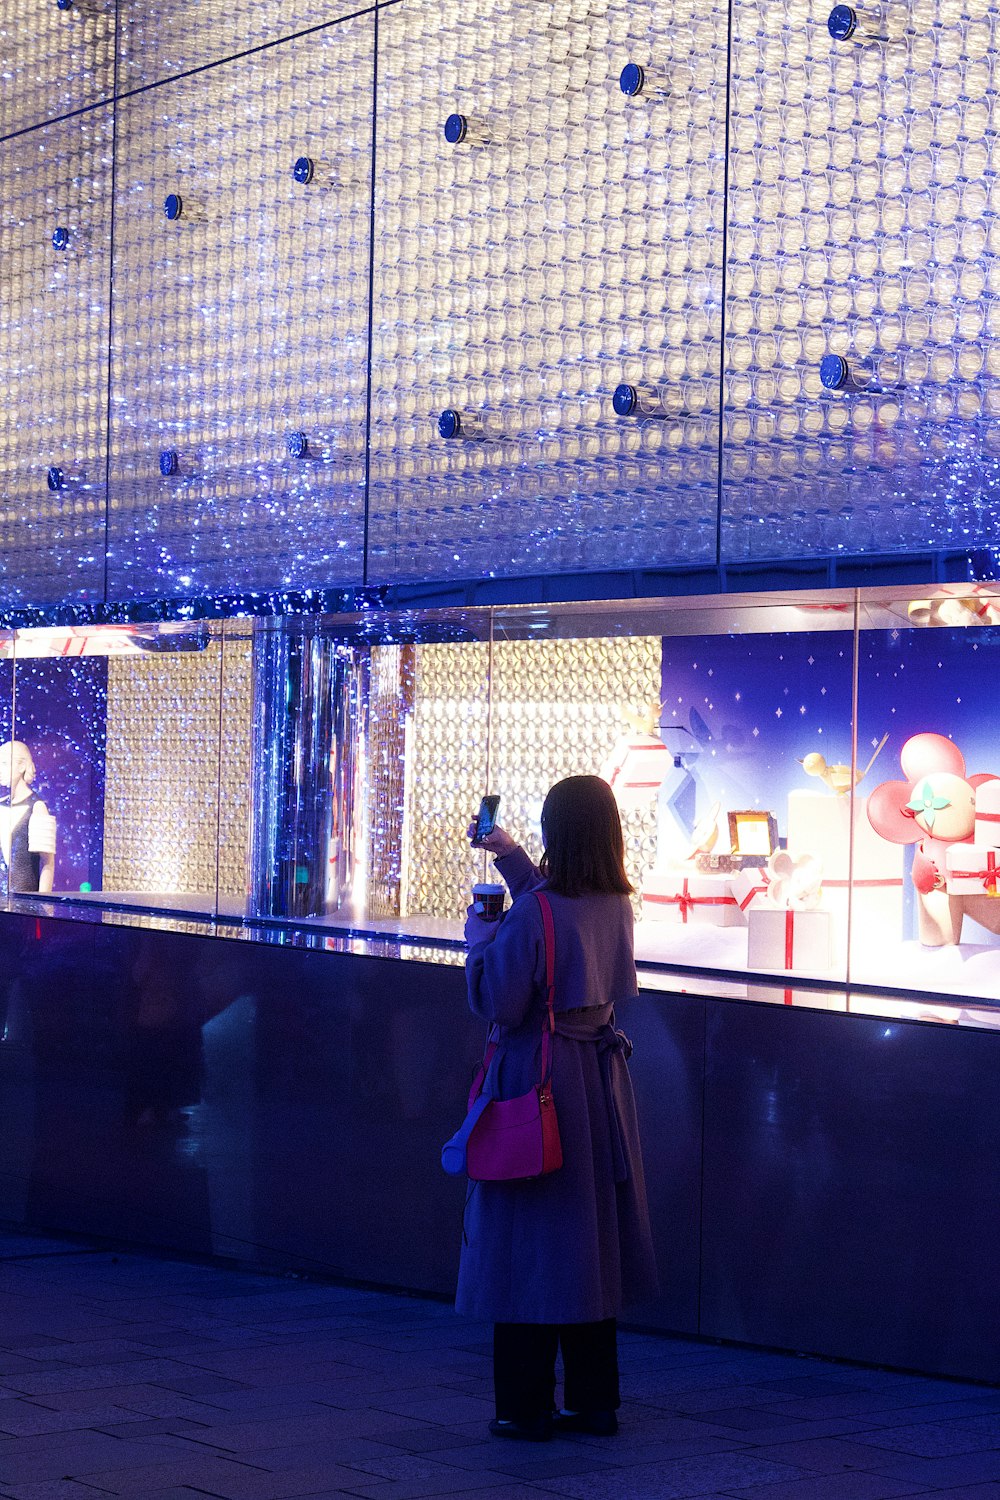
x=524, y=1367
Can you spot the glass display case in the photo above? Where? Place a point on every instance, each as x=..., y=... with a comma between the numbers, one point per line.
x=809, y=783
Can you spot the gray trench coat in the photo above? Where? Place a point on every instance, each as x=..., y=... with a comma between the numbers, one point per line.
x=573, y=1246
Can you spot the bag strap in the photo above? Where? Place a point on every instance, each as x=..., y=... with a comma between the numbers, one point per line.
x=549, y=932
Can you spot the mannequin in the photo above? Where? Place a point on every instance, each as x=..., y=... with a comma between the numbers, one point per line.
x=27, y=830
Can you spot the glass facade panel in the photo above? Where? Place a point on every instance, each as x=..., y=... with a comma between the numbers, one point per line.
x=55, y=58
x=543, y=238
x=56, y=241
x=862, y=403
x=156, y=41
x=115, y=759
x=922, y=664
x=241, y=324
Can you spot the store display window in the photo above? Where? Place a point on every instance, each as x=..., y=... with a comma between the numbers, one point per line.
x=809, y=784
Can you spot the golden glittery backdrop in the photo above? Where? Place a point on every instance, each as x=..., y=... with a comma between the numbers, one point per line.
x=556, y=711
x=170, y=819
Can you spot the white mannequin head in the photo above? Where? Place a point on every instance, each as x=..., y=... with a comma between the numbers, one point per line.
x=16, y=764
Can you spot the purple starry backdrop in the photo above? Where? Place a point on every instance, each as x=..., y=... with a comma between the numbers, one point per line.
x=742, y=710
x=59, y=710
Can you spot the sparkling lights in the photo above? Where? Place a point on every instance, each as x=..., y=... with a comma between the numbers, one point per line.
x=860, y=227
x=243, y=326
x=522, y=280
x=547, y=233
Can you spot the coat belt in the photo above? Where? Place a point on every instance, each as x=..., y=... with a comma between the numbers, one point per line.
x=613, y=1051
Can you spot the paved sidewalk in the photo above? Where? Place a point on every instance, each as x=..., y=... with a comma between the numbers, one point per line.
x=127, y=1375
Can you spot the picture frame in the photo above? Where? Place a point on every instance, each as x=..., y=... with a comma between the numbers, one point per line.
x=753, y=832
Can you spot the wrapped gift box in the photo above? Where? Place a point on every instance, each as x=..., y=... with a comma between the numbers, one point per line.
x=684, y=896
x=635, y=769
x=749, y=887
x=819, y=823
x=973, y=870
x=988, y=814
x=789, y=939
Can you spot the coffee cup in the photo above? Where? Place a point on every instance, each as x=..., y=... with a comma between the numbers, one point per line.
x=487, y=901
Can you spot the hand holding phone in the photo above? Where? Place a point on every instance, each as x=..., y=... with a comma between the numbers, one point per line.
x=486, y=818
x=484, y=832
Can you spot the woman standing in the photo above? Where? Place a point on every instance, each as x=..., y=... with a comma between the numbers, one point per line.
x=550, y=1261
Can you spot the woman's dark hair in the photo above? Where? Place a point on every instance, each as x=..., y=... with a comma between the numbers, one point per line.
x=582, y=833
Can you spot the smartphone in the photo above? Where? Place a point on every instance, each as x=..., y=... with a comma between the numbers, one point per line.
x=486, y=818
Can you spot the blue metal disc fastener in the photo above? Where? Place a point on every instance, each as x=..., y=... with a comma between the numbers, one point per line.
x=173, y=206
x=168, y=462
x=456, y=128
x=304, y=169
x=64, y=4
x=632, y=80
x=449, y=423
x=842, y=22
x=60, y=237
x=297, y=444
x=55, y=478
x=833, y=372
x=625, y=400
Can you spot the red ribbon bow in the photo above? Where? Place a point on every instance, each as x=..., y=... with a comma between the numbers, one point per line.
x=987, y=876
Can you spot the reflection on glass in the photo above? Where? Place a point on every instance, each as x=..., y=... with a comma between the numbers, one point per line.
x=807, y=785
x=115, y=733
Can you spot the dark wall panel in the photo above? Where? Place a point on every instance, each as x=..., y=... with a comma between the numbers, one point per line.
x=667, y=1067
x=851, y=1187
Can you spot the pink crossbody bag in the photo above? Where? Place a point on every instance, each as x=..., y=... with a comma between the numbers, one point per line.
x=508, y=1140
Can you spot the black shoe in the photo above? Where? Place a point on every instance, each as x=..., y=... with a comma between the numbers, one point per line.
x=596, y=1423
x=534, y=1430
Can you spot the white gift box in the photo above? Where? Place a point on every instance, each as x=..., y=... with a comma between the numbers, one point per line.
x=635, y=769
x=789, y=939
x=682, y=897
x=972, y=870
x=988, y=814
x=819, y=823
x=749, y=887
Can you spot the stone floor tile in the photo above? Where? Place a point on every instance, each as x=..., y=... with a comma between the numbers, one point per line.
x=514, y=1491
x=143, y=1400
x=509, y=1491
x=989, y=1491
x=855, y=1486
x=614, y=1456
x=929, y=1439
x=193, y=1382
x=69, y=1455
x=254, y=1401
x=141, y=1429
x=676, y=1480
x=25, y=1419
x=445, y=1408
x=217, y=1476
x=247, y=1437
x=427, y=1439
x=829, y=1456
x=809, y=1385
x=445, y=1484
x=869, y=1407
x=938, y=1473
x=57, y=1489
x=93, y=1377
